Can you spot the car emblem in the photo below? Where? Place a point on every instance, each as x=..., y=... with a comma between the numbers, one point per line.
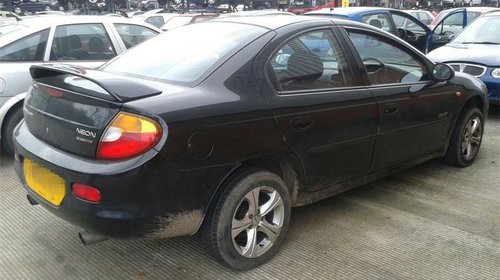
x=462, y=67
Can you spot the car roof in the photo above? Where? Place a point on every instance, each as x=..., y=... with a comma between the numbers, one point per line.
x=257, y=13
x=493, y=14
x=473, y=9
x=273, y=22
x=347, y=11
x=37, y=23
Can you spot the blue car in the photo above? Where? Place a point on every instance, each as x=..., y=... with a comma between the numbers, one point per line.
x=476, y=50
x=402, y=24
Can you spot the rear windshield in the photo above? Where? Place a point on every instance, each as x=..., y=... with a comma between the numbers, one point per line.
x=185, y=55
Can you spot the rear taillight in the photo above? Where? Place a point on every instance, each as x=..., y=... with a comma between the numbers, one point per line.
x=128, y=135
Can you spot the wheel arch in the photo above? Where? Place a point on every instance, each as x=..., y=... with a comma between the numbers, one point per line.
x=473, y=101
x=8, y=108
x=287, y=167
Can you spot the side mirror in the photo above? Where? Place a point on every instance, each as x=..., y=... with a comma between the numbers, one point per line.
x=442, y=72
x=451, y=37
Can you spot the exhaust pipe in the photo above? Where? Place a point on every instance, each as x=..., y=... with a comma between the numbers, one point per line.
x=88, y=238
x=31, y=200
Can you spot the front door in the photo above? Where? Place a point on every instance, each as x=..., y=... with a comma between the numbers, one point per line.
x=415, y=112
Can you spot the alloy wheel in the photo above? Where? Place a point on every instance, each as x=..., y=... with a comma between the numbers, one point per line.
x=257, y=221
x=471, y=139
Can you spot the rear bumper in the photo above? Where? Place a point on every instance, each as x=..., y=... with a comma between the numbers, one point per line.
x=135, y=201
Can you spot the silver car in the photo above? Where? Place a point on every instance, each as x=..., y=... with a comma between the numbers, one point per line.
x=82, y=40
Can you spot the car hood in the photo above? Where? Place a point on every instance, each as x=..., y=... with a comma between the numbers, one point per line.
x=475, y=53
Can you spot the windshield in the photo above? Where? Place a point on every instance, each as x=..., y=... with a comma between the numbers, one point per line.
x=186, y=54
x=485, y=30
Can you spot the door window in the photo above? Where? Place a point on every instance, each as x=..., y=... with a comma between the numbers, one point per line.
x=30, y=48
x=387, y=63
x=132, y=34
x=310, y=61
x=379, y=20
x=82, y=42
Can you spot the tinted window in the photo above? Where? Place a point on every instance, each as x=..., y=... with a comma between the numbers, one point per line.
x=30, y=48
x=82, y=42
x=387, y=63
x=310, y=61
x=132, y=34
x=176, y=56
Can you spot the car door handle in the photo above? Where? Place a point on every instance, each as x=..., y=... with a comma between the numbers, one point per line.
x=391, y=109
x=301, y=123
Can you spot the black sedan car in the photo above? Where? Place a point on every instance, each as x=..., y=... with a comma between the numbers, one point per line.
x=225, y=139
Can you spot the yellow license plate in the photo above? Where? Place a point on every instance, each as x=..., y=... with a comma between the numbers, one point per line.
x=44, y=182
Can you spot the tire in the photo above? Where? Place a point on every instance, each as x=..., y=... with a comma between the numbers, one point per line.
x=18, y=10
x=466, y=138
x=240, y=237
x=12, y=120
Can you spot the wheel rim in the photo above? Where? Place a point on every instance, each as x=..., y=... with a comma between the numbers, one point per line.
x=257, y=221
x=471, y=139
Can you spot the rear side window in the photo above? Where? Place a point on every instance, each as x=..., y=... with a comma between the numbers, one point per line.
x=132, y=34
x=82, y=42
x=310, y=61
x=30, y=48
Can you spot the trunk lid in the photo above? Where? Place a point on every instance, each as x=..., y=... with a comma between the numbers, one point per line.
x=70, y=107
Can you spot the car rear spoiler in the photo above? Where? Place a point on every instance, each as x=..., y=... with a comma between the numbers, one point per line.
x=119, y=88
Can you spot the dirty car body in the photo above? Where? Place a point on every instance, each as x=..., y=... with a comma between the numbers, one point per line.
x=242, y=105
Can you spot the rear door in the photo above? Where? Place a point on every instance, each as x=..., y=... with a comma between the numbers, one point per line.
x=324, y=116
x=415, y=112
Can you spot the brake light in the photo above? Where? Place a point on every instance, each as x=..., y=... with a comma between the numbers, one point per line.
x=86, y=193
x=128, y=135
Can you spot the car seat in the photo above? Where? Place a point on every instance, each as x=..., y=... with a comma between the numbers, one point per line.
x=303, y=71
x=71, y=48
x=376, y=23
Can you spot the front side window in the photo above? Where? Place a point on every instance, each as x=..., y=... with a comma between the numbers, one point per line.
x=387, y=63
x=310, y=61
x=379, y=20
x=407, y=24
x=30, y=48
x=132, y=34
x=82, y=42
